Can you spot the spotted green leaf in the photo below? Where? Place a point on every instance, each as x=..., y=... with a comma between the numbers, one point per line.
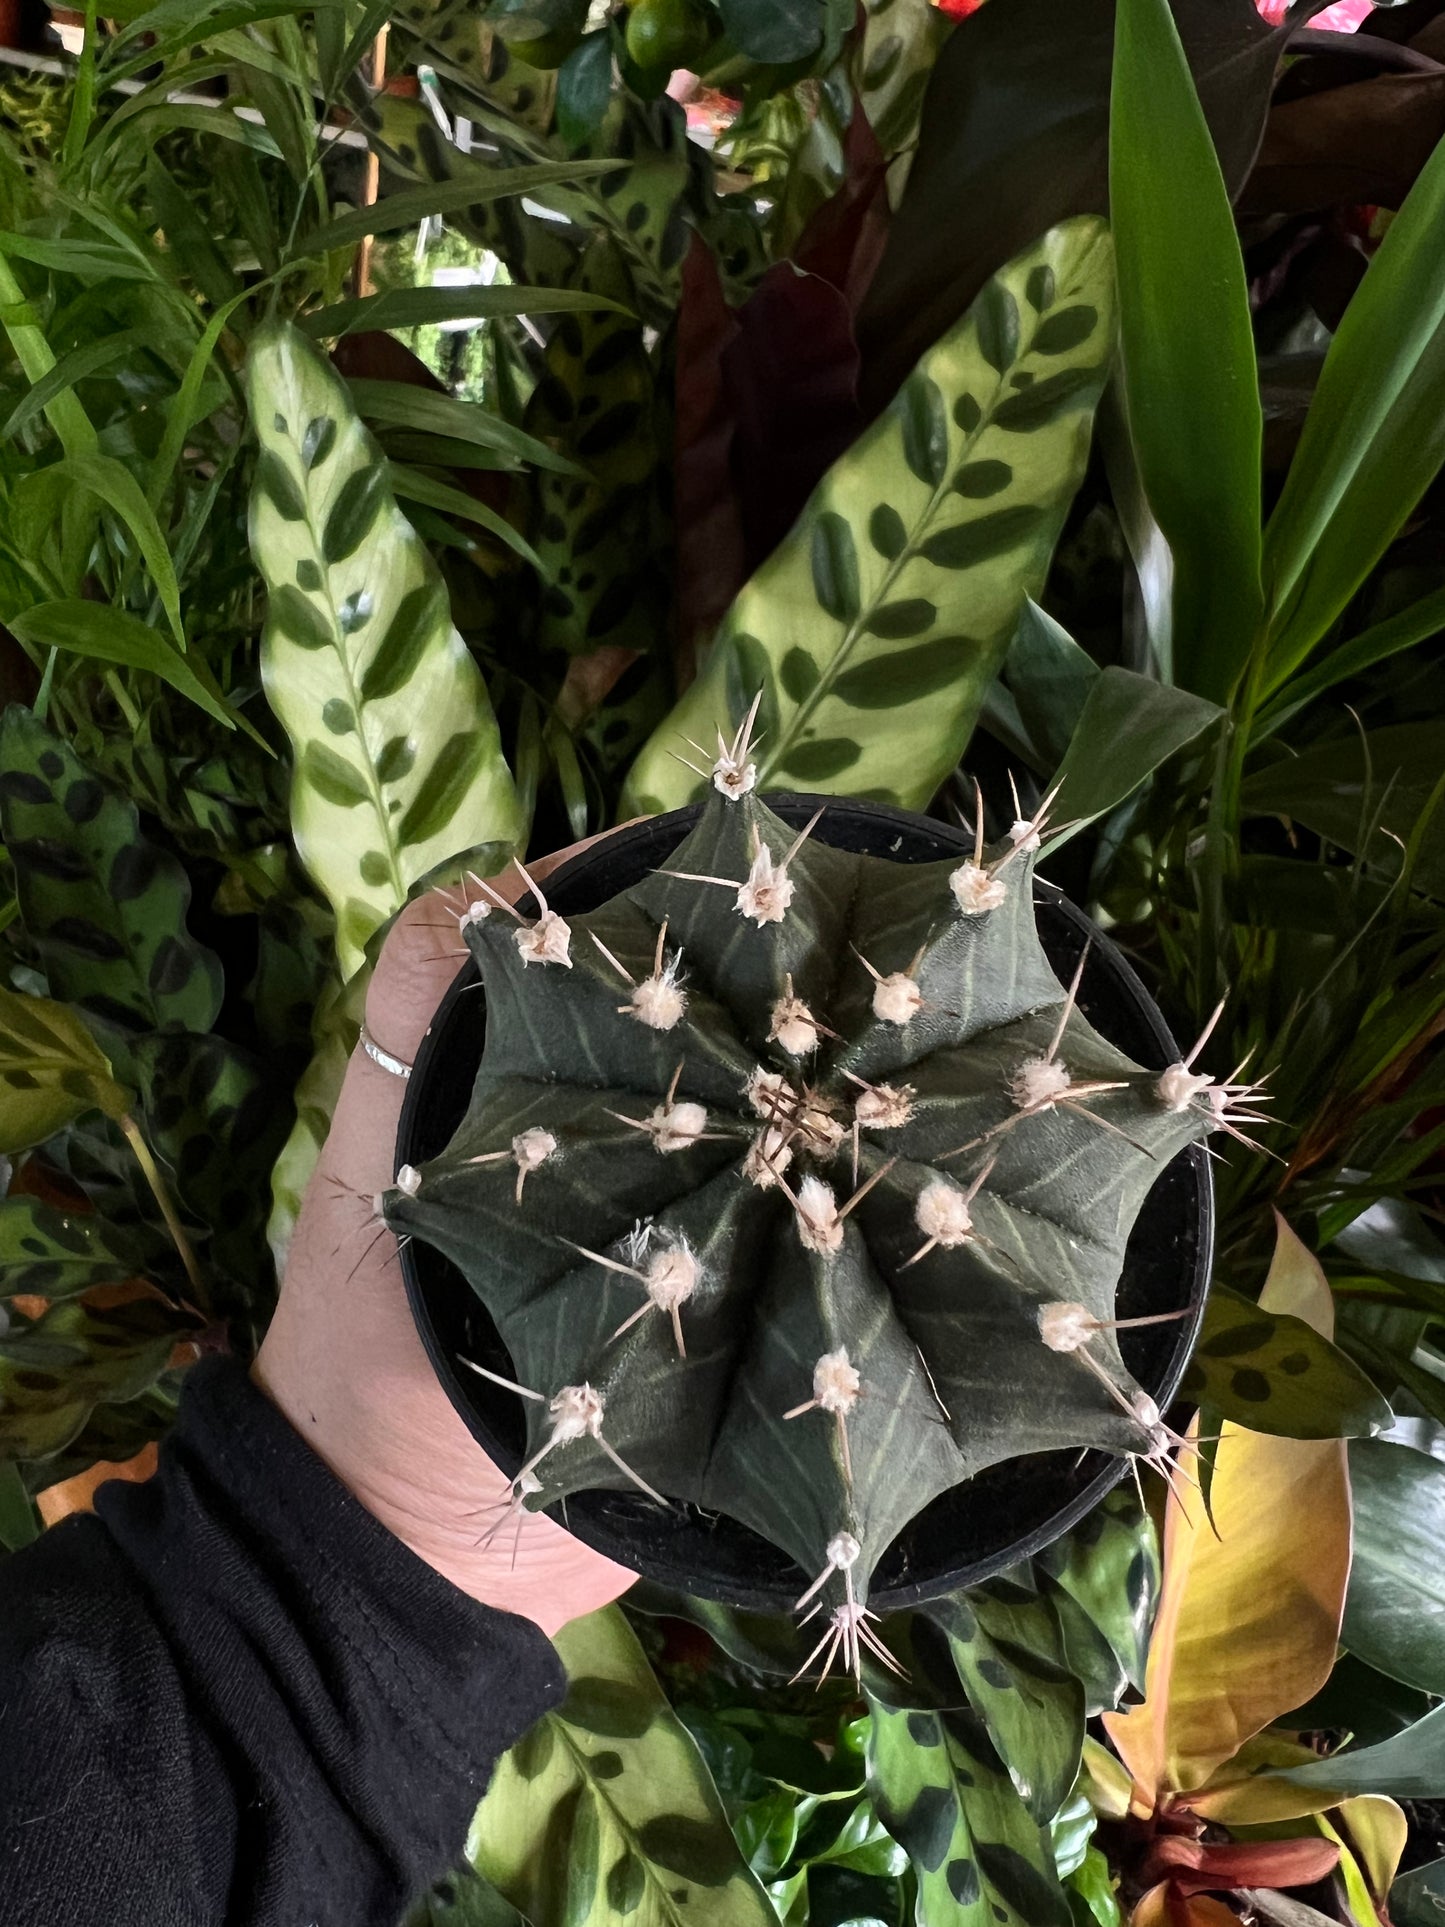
x=1274, y=1373
x=57, y=1254
x=104, y=906
x=51, y=1071
x=944, y=1794
x=55, y=1370
x=1007, y=1643
x=398, y=763
x=877, y=626
x=605, y=1808
x=1103, y=1579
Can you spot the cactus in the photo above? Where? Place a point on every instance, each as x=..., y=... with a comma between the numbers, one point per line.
x=798, y=1187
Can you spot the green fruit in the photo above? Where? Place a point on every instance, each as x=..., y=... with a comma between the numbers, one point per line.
x=663, y=35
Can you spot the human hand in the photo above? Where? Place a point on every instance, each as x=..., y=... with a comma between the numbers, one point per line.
x=343, y=1359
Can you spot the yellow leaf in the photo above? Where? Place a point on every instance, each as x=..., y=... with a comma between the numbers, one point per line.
x=51, y=1070
x=1248, y=1621
x=1243, y=1793
x=1376, y=1830
x=1161, y=1908
x=1103, y=1782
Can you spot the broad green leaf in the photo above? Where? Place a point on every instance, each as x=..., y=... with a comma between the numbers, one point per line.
x=51, y=1070
x=773, y=32
x=1374, y=437
x=422, y=307
x=1092, y=1897
x=605, y=1809
x=584, y=87
x=1129, y=726
x=463, y=1899
x=1274, y=1373
x=1009, y=1650
x=1362, y=793
x=877, y=626
x=105, y=907
x=107, y=634
x=1187, y=345
x=1419, y=622
x=417, y=204
x=1395, y=1609
x=398, y=763
x=58, y=1254
x=1407, y=1766
x=110, y=1356
x=1249, y=1619
x=1049, y=677
x=1417, y=1898
x=942, y=1791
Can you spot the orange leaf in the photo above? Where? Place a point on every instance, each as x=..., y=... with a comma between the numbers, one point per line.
x=1249, y=1621
x=1165, y=1906
x=58, y=1501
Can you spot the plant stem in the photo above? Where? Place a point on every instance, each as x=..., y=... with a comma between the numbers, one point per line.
x=168, y=1211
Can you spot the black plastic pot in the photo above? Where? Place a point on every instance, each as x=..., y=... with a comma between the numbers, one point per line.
x=964, y=1536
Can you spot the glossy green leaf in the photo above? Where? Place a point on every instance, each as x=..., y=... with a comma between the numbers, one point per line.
x=1103, y=1578
x=1049, y=677
x=106, y=634
x=105, y=907
x=584, y=87
x=1128, y=727
x=874, y=654
x=1407, y=1766
x=1363, y=793
x=1395, y=1607
x=1275, y=1373
x=773, y=32
x=1374, y=437
x=943, y=1793
x=1417, y=1898
x=1093, y=1900
x=110, y=1356
x=605, y=1809
x=398, y=764
x=1187, y=348
x=423, y=307
x=51, y=1070
x=58, y=1254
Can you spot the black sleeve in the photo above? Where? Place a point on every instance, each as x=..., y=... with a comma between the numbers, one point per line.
x=233, y=1699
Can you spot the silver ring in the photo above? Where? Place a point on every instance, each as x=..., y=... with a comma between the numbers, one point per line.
x=383, y=1057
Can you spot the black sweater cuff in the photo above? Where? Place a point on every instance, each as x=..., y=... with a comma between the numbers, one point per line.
x=287, y=1709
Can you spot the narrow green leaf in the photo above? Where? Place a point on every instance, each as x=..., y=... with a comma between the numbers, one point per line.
x=1374, y=437
x=104, y=634
x=114, y=485
x=413, y=486
x=1419, y=622
x=1188, y=348
x=420, y=307
x=406, y=406
x=19, y=1524
x=71, y=368
x=414, y=205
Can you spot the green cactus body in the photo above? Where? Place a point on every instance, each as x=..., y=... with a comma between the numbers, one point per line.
x=813, y=1173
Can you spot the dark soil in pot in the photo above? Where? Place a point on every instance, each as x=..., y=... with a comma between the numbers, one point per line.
x=968, y=1534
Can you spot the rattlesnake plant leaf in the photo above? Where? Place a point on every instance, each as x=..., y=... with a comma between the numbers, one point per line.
x=944, y=1794
x=104, y=906
x=56, y=1254
x=398, y=762
x=942, y=1328
x=1007, y=1643
x=1274, y=1373
x=55, y=1370
x=1103, y=1580
x=51, y=1071
x=876, y=628
x=605, y=1809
